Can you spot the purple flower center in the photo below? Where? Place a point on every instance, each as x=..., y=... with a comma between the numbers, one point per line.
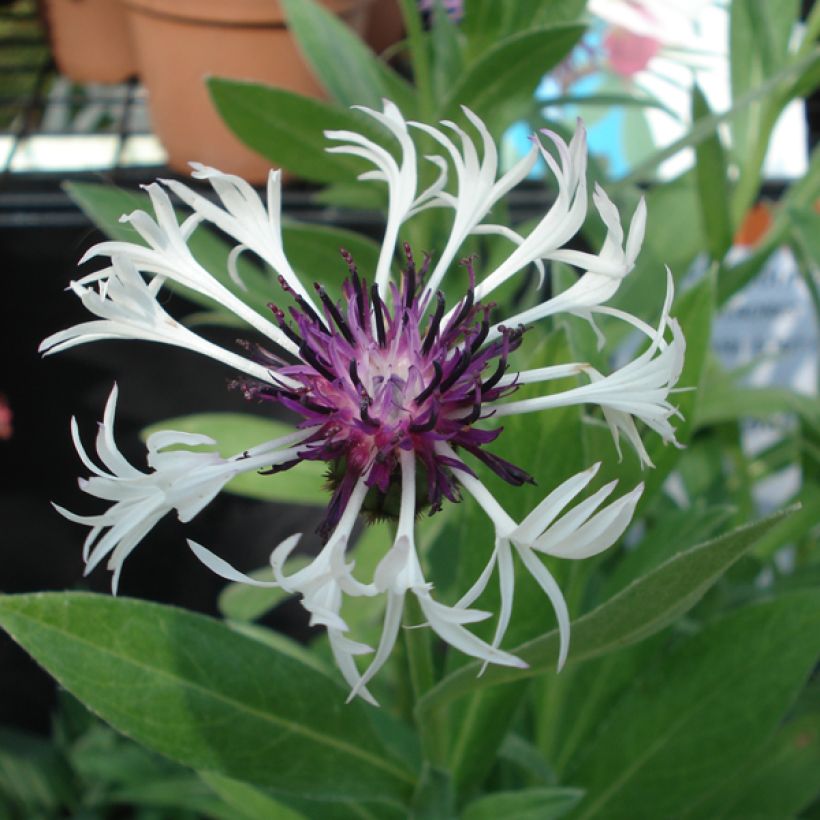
x=375, y=381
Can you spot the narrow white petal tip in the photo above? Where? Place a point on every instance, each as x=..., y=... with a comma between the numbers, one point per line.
x=363, y=693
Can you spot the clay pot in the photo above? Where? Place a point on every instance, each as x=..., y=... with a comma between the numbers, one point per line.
x=90, y=40
x=181, y=42
x=385, y=25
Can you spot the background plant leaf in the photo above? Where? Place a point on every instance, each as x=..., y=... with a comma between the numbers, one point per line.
x=345, y=66
x=288, y=128
x=526, y=804
x=691, y=713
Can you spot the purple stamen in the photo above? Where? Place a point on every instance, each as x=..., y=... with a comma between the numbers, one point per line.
x=428, y=391
x=359, y=368
x=378, y=308
x=434, y=324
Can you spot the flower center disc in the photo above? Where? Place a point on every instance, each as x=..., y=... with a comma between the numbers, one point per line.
x=374, y=382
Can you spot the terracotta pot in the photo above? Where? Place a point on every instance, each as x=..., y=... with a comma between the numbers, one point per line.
x=90, y=39
x=181, y=42
x=385, y=25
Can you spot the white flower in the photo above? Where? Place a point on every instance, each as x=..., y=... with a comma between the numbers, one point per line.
x=184, y=480
x=478, y=189
x=401, y=179
x=604, y=271
x=388, y=387
x=255, y=227
x=128, y=309
x=639, y=389
x=167, y=255
x=576, y=535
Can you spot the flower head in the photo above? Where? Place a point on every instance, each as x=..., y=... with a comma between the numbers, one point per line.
x=389, y=385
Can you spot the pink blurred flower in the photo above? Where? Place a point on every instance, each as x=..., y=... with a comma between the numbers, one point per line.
x=628, y=52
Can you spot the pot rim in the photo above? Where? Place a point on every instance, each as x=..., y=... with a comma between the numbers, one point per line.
x=236, y=14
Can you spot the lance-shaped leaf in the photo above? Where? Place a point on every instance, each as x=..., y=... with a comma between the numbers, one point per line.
x=288, y=128
x=347, y=68
x=493, y=87
x=191, y=688
x=699, y=715
x=645, y=607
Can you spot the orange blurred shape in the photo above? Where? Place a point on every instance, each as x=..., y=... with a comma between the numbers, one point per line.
x=758, y=220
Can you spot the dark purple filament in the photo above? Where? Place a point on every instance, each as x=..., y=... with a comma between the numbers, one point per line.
x=375, y=382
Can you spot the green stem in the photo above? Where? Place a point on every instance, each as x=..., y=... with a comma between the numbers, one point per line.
x=422, y=678
x=771, y=108
x=419, y=58
x=811, y=31
x=554, y=688
x=807, y=266
x=749, y=183
x=704, y=128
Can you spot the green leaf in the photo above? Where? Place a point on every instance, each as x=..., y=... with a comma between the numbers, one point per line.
x=247, y=801
x=799, y=198
x=807, y=82
x=723, y=400
x=794, y=528
x=499, y=85
x=236, y=432
x=526, y=804
x=702, y=129
x=645, y=607
x=527, y=758
x=759, y=33
x=446, y=49
x=184, y=793
x=313, y=250
x=361, y=195
x=713, y=187
x=280, y=643
x=289, y=129
x=781, y=779
x=194, y=690
x=488, y=21
x=344, y=65
x=609, y=101
x=34, y=777
x=434, y=797
x=483, y=23
x=702, y=710
x=673, y=531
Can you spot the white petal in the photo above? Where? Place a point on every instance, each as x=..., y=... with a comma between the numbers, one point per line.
x=548, y=510
x=547, y=583
x=447, y=623
x=223, y=569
